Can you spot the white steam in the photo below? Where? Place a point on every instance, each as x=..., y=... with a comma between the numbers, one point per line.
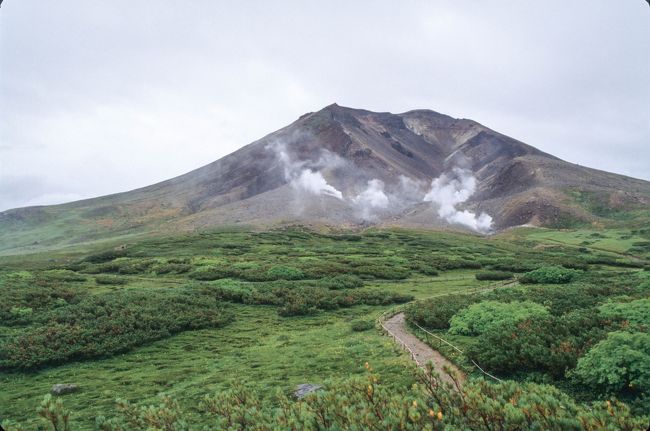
x=314, y=182
x=449, y=190
x=446, y=192
x=410, y=191
x=302, y=178
x=372, y=198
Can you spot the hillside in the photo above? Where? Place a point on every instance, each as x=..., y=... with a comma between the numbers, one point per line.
x=348, y=167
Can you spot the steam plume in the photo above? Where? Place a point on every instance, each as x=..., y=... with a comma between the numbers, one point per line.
x=314, y=182
x=303, y=178
x=373, y=197
x=449, y=190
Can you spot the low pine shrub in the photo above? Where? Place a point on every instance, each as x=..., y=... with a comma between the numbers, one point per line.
x=105, y=324
x=480, y=317
x=435, y=313
x=339, y=282
x=493, y=275
x=428, y=270
x=106, y=256
x=284, y=273
x=366, y=402
x=361, y=325
x=209, y=273
x=549, y=275
x=111, y=280
x=382, y=272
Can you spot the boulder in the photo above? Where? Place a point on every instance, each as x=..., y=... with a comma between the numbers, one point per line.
x=305, y=389
x=64, y=388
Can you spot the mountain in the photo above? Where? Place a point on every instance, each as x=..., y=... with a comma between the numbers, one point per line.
x=349, y=167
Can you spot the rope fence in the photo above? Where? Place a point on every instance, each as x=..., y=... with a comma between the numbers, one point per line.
x=403, y=345
x=385, y=315
x=460, y=351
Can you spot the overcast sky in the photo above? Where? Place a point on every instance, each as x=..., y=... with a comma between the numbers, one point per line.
x=99, y=97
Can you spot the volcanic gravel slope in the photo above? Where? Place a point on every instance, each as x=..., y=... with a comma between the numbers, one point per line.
x=344, y=148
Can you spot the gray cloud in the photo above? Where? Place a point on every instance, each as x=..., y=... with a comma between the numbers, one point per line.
x=100, y=97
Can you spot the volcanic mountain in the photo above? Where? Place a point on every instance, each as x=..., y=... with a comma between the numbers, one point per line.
x=344, y=167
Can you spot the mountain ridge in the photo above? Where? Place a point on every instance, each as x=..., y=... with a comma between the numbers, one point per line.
x=349, y=167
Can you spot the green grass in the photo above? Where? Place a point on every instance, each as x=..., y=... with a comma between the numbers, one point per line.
x=259, y=347
x=615, y=241
x=455, y=281
x=626, y=243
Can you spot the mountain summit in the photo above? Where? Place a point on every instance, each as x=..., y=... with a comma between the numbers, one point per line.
x=345, y=167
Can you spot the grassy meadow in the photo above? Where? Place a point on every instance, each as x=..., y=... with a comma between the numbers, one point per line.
x=192, y=315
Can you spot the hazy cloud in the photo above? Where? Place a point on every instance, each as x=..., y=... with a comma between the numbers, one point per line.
x=101, y=97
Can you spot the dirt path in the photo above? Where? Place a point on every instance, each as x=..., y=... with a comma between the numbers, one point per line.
x=421, y=353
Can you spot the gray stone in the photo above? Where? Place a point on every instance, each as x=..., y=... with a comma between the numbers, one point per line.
x=305, y=389
x=64, y=388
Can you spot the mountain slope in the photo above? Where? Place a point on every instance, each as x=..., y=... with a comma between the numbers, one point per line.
x=346, y=167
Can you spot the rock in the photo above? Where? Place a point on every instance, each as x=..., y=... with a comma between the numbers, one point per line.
x=64, y=388
x=305, y=389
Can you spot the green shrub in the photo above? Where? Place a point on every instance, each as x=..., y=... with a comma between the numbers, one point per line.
x=573, y=264
x=361, y=325
x=209, y=273
x=374, y=297
x=37, y=294
x=21, y=312
x=445, y=264
x=560, y=299
x=284, y=273
x=105, y=256
x=533, y=345
x=612, y=261
x=297, y=306
x=383, y=272
x=323, y=268
x=635, y=312
x=339, y=282
x=428, y=270
x=104, y=324
x=542, y=345
x=172, y=268
x=74, y=266
x=346, y=237
x=549, y=275
x=601, y=259
x=102, y=268
x=479, y=317
x=512, y=265
x=246, y=271
x=308, y=300
x=435, y=313
x=366, y=402
x=134, y=266
x=627, y=263
x=64, y=275
x=121, y=266
x=295, y=301
x=617, y=365
x=111, y=280
x=230, y=290
x=53, y=412
x=493, y=275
